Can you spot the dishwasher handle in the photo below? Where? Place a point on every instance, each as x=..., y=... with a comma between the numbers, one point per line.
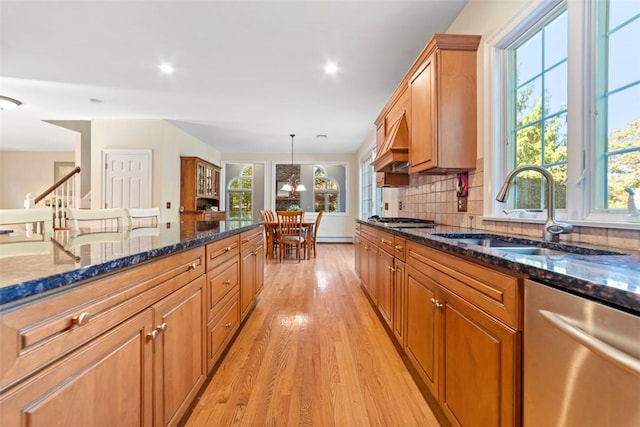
x=618, y=357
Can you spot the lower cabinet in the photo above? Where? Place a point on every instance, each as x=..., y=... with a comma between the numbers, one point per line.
x=179, y=359
x=459, y=324
x=146, y=371
x=251, y=268
x=107, y=382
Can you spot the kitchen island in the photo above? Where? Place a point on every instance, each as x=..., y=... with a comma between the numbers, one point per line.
x=123, y=327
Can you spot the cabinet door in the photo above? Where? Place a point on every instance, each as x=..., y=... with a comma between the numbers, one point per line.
x=399, y=301
x=372, y=255
x=107, y=382
x=216, y=182
x=357, y=241
x=208, y=186
x=247, y=280
x=481, y=372
x=422, y=327
x=179, y=357
x=200, y=178
x=385, y=276
x=422, y=127
x=258, y=254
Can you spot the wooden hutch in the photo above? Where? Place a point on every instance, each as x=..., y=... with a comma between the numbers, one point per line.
x=200, y=190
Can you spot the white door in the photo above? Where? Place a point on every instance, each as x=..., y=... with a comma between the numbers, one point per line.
x=127, y=178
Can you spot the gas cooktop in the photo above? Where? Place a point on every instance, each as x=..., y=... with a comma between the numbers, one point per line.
x=400, y=222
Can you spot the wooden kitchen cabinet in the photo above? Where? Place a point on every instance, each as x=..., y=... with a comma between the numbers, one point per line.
x=126, y=349
x=251, y=268
x=222, y=296
x=107, y=382
x=468, y=358
x=179, y=359
x=199, y=189
x=442, y=93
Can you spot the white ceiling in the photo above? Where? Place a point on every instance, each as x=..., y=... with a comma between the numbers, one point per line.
x=248, y=73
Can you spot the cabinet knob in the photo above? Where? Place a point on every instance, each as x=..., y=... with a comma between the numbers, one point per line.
x=162, y=327
x=391, y=268
x=227, y=325
x=227, y=282
x=399, y=247
x=152, y=335
x=227, y=249
x=81, y=319
x=194, y=266
x=435, y=303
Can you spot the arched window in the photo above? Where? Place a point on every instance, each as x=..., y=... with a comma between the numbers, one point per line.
x=326, y=191
x=240, y=195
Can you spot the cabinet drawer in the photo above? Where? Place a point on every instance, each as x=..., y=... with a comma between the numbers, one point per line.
x=369, y=233
x=221, y=329
x=222, y=280
x=251, y=238
x=493, y=291
x=385, y=242
x=221, y=250
x=399, y=248
x=36, y=334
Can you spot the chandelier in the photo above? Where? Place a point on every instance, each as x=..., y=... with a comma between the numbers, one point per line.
x=293, y=184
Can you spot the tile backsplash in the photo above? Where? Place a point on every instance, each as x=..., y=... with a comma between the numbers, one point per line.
x=434, y=197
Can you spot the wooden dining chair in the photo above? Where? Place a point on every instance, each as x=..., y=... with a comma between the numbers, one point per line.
x=311, y=238
x=290, y=232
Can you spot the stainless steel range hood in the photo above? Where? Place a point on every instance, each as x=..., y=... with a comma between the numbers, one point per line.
x=393, y=154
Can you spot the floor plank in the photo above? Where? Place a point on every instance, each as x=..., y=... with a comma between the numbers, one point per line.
x=312, y=353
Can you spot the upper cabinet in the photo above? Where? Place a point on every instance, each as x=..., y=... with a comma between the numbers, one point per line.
x=442, y=93
x=429, y=123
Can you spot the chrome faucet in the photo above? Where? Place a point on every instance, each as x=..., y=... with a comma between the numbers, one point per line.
x=552, y=228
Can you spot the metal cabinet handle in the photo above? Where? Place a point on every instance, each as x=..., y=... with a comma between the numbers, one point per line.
x=436, y=304
x=81, y=319
x=194, y=266
x=152, y=335
x=227, y=325
x=162, y=327
x=385, y=241
x=399, y=247
x=391, y=268
x=227, y=249
x=227, y=282
x=245, y=240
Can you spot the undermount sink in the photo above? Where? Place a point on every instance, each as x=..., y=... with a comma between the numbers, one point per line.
x=521, y=246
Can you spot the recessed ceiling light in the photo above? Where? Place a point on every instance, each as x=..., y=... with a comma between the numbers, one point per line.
x=321, y=136
x=331, y=68
x=166, y=68
x=96, y=101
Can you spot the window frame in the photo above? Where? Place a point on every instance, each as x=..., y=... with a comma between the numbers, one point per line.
x=241, y=191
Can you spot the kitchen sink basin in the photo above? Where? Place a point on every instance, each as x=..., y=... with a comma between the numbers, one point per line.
x=521, y=246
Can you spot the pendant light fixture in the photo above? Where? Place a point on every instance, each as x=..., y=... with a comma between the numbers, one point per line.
x=293, y=184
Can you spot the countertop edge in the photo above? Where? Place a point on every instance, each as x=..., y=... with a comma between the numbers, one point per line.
x=618, y=298
x=22, y=293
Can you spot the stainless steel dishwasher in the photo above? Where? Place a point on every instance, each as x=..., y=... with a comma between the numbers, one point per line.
x=581, y=361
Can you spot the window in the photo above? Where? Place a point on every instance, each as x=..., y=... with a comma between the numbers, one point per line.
x=370, y=193
x=240, y=192
x=325, y=191
x=538, y=107
x=617, y=103
x=567, y=97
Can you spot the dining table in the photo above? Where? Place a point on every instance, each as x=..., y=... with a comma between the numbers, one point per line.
x=271, y=228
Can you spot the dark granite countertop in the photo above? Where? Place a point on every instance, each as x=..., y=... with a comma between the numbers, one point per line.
x=67, y=260
x=611, y=279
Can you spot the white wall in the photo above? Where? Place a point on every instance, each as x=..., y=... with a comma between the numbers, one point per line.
x=334, y=227
x=23, y=172
x=166, y=141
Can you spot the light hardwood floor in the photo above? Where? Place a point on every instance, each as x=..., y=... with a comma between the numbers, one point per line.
x=312, y=353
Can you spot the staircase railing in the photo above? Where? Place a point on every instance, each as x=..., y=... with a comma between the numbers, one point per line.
x=61, y=195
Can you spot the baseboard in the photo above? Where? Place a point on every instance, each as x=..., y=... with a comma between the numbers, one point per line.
x=335, y=240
